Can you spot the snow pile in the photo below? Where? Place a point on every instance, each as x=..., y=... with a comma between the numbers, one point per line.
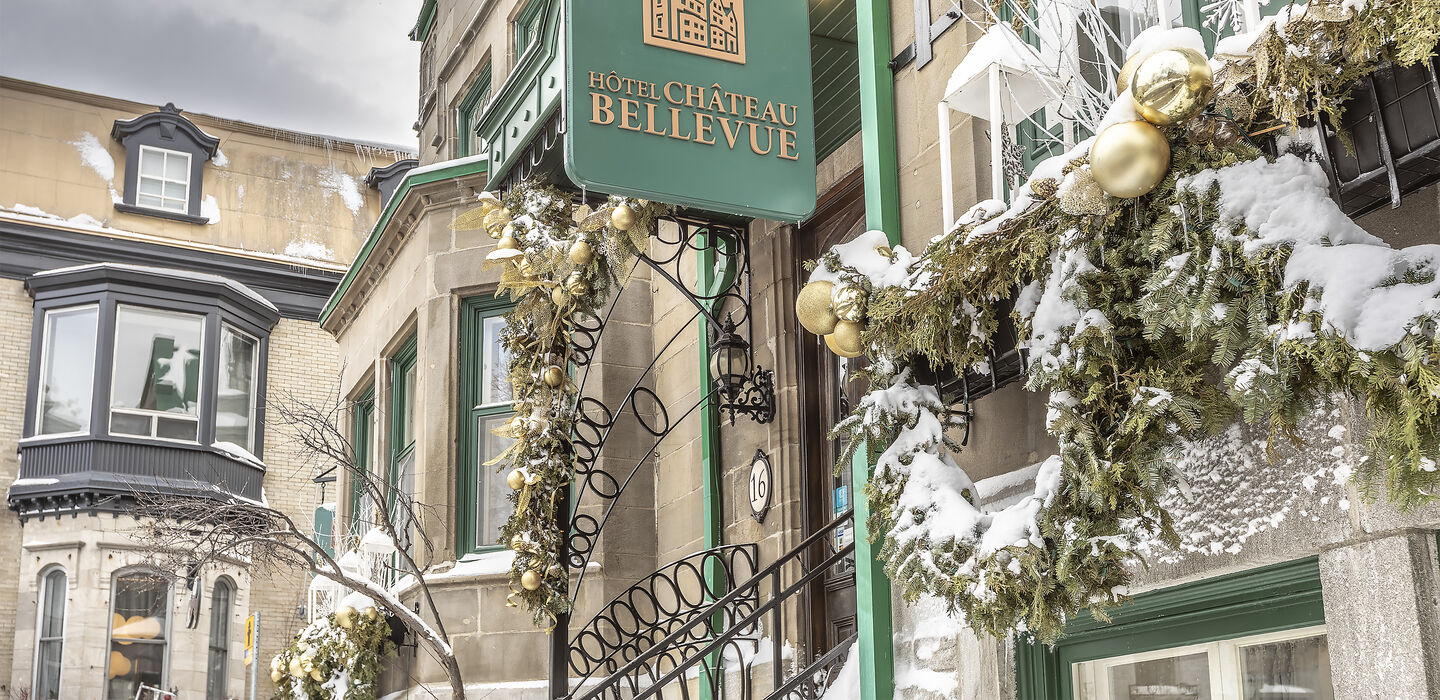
x=861, y=255
x=94, y=155
x=1366, y=291
x=846, y=685
x=210, y=209
x=220, y=160
x=314, y=250
x=341, y=183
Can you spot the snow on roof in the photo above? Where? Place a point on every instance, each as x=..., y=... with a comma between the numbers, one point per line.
x=167, y=272
x=477, y=158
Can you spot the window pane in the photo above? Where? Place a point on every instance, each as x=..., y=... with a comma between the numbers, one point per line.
x=157, y=360
x=150, y=186
x=175, y=166
x=149, y=201
x=177, y=428
x=496, y=359
x=235, y=397
x=47, y=672
x=137, y=634
x=1182, y=677
x=404, y=484
x=50, y=643
x=52, y=616
x=174, y=191
x=493, y=494
x=219, y=642
x=407, y=393
x=152, y=163
x=1298, y=669
x=68, y=371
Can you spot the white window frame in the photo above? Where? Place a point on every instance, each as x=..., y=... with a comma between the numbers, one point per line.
x=1091, y=679
x=140, y=177
x=153, y=416
x=40, y=625
x=252, y=435
x=166, y=630
x=39, y=416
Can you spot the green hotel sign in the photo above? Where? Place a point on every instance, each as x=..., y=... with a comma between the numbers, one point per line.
x=700, y=103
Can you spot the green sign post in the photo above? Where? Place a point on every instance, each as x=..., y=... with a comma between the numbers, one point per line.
x=701, y=103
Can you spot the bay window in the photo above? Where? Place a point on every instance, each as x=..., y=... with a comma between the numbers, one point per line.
x=139, y=631
x=156, y=385
x=50, y=634
x=486, y=398
x=67, y=371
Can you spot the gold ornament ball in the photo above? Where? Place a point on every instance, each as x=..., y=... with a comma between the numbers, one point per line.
x=517, y=542
x=507, y=242
x=576, y=285
x=1129, y=159
x=296, y=668
x=315, y=673
x=276, y=664
x=275, y=676
x=1172, y=86
x=530, y=580
x=1127, y=72
x=849, y=303
x=582, y=253
x=814, y=308
x=527, y=270
x=370, y=613
x=845, y=341
x=553, y=376
x=557, y=296
x=345, y=616
x=622, y=218
x=515, y=479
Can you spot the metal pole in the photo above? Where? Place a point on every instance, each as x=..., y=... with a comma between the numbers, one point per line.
x=255, y=657
x=560, y=636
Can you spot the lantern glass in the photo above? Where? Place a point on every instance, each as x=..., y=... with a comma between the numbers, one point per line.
x=730, y=362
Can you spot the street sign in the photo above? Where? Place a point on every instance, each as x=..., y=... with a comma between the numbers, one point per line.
x=701, y=103
x=249, y=640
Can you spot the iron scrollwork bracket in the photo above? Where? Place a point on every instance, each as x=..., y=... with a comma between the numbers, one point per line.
x=755, y=398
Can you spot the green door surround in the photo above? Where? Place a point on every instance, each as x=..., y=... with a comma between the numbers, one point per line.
x=1267, y=599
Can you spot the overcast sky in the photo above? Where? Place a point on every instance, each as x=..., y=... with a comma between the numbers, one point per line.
x=343, y=68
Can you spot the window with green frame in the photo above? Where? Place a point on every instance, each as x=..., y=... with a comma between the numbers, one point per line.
x=402, y=436
x=362, y=442
x=484, y=404
x=1257, y=634
x=527, y=25
x=468, y=115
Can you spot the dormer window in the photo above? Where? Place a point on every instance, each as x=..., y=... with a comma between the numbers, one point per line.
x=165, y=156
x=164, y=179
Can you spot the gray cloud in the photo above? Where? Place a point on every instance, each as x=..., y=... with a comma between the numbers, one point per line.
x=240, y=66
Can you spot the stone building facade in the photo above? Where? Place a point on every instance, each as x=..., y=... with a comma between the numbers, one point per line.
x=160, y=277
x=1334, y=591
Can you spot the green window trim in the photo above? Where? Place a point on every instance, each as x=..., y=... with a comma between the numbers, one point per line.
x=1259, y=601
x=474, y=311
x=400, y=408
x=526, y=27
x=468, y=113
x=362, y=428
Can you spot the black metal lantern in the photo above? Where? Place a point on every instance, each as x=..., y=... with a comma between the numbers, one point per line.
x=743, y=387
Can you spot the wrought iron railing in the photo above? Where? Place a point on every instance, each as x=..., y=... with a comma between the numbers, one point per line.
x=643, y=664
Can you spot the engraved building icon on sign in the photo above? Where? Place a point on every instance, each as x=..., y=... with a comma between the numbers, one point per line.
x=714, y=28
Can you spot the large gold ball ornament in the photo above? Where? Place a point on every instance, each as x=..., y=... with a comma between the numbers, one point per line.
x=814, y=308
x=530, y=580
x=553, y=376
x=1172, y=86
x=370, y=613
x=1127, y=72
x=345, y=616
x=849, y=301
x=297, y=669
x=622, y=218
x=1129, y=159
x=275, y=676
x=515, y=479
x=507, y=242
x=526, y=270
x=576, y=284
x=845, y=341
x=582, y=253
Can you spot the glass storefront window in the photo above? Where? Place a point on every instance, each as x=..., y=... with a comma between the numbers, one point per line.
x=67, y=371
x=1291, y=665
x=138, y=622
x=156, y=385
x=235, y=395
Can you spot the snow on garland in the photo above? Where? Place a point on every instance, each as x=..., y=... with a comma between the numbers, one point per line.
x=337, y=657
x=562, y=262
x=1236, y=289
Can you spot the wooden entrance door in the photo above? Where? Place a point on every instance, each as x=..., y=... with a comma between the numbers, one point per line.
x=827, y=392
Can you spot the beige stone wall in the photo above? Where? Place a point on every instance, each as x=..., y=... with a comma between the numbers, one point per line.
x=16, y=316
x=276, y=192
x=468, y=35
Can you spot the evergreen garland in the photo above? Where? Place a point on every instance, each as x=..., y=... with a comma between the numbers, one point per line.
x=329, y=660
x=1178, y=321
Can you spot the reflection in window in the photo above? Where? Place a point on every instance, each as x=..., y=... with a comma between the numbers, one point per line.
x=50, y=637
x=493, y=495
x=235, y=395
x=1296, y=669
x=496, y=360
x=216, y=669
x=157, y=374
x=164, y=181
x=138, y=616
x=67, y=369
x=1293, y=665
x=1174, y=678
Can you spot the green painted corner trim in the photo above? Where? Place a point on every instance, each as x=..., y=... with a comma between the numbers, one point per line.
x=711, y=461
x=462, y=168
x=425, y=22
x=473, y=313
x=1267, y=599
x=874, y=618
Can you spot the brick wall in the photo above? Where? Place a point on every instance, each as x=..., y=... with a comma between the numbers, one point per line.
x=15, y=319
